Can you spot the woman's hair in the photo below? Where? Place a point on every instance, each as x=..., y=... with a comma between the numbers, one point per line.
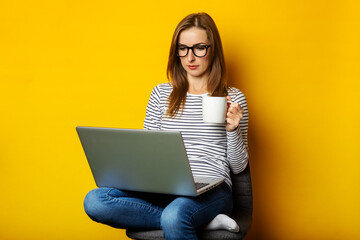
x=176, y=73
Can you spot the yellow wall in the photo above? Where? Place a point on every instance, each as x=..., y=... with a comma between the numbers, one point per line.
x=69, y=63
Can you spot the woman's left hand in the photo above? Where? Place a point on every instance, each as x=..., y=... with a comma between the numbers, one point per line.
x=233, y=116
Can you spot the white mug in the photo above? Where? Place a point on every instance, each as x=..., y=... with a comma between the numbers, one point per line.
x=214, y=109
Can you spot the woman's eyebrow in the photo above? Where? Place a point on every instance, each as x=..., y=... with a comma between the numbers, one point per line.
x=192, y=45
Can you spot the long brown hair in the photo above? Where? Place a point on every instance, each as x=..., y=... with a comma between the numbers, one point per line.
x=176, y=73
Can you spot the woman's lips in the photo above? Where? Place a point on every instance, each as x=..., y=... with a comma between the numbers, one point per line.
x=193, y=67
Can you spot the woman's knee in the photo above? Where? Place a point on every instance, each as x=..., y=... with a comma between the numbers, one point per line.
x=176, y=217
x=169, y=218
x=177, y=223
x=93, y=203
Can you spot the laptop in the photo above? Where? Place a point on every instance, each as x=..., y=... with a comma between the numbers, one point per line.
x=141, y=160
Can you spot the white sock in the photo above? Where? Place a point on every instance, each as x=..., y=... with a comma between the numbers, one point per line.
x=222, y=221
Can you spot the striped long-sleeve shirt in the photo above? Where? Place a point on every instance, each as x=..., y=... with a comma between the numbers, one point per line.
x=212, y=151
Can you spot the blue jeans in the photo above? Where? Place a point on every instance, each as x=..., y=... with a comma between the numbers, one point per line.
x=178, y=217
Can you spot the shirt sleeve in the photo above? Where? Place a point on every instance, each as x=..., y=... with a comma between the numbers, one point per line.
x=237, y=142
x=153, y=111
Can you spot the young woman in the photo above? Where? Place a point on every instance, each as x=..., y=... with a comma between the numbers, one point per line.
x=196, y=68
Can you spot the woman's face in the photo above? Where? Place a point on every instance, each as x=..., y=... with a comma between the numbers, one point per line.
x=196, y=67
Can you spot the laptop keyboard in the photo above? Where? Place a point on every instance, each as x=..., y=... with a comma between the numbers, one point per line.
x=200, y=185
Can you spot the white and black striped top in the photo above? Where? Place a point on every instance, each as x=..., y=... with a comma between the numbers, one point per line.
x=212, y=151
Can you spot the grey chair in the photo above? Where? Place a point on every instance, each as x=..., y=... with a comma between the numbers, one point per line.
x=242, y=214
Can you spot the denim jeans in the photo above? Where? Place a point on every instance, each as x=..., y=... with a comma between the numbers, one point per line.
x=178, y=217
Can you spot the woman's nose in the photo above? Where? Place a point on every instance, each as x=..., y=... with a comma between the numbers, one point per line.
x=190, y=56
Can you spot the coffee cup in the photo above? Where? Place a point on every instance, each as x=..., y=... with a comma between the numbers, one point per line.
x=214, y=109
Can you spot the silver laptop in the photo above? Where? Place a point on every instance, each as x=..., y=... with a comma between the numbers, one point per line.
x=141, y=160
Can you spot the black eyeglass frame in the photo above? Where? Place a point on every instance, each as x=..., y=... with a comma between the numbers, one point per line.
x=192, y=49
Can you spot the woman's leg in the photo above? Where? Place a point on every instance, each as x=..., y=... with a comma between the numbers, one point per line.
x=124, y=209
x=181, y=218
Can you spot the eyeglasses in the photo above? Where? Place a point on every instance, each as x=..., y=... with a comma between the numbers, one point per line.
x=199, y=50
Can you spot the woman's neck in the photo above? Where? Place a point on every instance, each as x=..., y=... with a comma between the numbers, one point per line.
x=198, y=85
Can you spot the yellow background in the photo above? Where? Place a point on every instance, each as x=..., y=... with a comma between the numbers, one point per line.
x=69, y=63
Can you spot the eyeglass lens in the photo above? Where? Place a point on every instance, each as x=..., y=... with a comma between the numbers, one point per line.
x=198, y=50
